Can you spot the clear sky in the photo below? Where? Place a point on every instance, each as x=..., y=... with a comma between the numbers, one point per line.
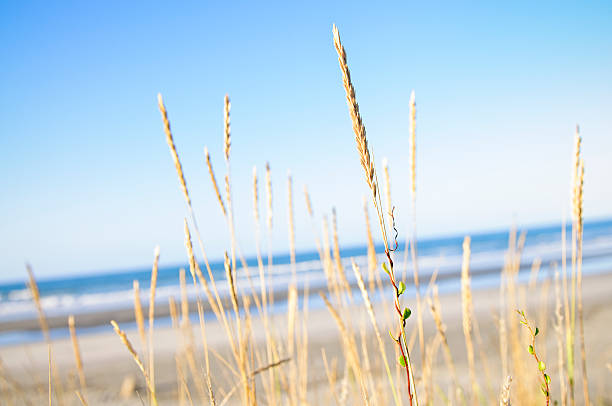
x=87, y=182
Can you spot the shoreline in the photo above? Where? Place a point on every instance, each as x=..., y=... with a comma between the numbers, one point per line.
x=162, y=311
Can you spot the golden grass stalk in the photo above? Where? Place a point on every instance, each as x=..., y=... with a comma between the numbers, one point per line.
x=533, y=276
x=173, y=311
x=337, y=258
x=372, y=261
x=251, y=376
x=308, y=202
x=235, y=249
x=184, y=388
x=302, y=359
x=226, y=127
x=139, y=316
x=413, y=240
x=328, y=265
x=170, y=141
x=466, y=305
x=231, y=278
x=418, y=300
x=213, y=179
x=579, y=222
x=291, y=226
x=567, y=325
x=230, y=217
x=434, y=306
x=183, y=184
x=571, y=332
x=81, y=398
x=269, y=223
x=215, y=301
x=385, y=164
x=412, y=145
x=381, y=345
x=503, y=329
x=270, y=350
x=559, y=339
x=430, y=355
x=511, y=268
x=50, y=379
x=372, y=181
x=255, y=197
x=350, y=347
x=152, y=315
x=126, y=342
x=504, y=397
x=576, y=171
x=184, y=300
x=77, y=353
x=482, y=353
x=42, y=320
x=358, y=127
x=543, y=310
x=4, y=390
x=262, y=277
x=292, y=309
x=241, y=356
x=331, y=377
x=269, y=195
x=367, y=367
x=211, y=395
x=189, y=350
x=310, y=211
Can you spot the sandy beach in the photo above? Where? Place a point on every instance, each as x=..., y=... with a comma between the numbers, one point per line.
x=108, y=365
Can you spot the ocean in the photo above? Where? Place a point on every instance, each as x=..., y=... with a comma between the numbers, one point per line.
x=108, y=293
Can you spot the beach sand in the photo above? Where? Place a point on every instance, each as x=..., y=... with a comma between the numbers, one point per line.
x=108, y=365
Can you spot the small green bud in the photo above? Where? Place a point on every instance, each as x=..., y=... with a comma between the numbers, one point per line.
x=530, y=349
x=536, y=332
x=402, y=360
x=384, y=266
x=541, y=366
x=547, y=378
x=407, y=313
x=402, y=288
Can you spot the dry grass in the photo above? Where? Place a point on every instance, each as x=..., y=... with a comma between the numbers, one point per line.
x=77, y=353
x=275, y=367
x=128, y=345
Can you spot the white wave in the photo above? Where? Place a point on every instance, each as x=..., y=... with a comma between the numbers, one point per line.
x=17, y=303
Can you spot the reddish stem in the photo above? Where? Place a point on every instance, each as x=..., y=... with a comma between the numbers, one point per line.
x=402, y=324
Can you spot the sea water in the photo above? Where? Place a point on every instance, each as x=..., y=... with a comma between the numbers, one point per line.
x=108, y=291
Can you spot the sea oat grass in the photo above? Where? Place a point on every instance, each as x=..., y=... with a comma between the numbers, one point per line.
x=128, y=345
x=77, y=353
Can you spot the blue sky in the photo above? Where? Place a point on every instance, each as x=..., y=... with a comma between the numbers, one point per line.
x=88, y=183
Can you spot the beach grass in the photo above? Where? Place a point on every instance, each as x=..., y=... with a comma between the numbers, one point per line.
x=271, y=360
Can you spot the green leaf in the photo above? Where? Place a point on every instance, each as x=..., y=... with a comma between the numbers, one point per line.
x=384, y=266
x=547, y=378
x=530, y=349
x=407, y=313
x=541, y=366
x=402, y=360
x=536, y=332
x=402, y=288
